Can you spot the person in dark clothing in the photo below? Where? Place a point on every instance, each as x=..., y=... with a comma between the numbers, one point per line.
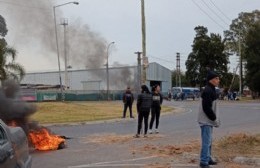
x=169, y=95
x=144, y=102
x=156, y=107
x=128, y=99
x=208, y=118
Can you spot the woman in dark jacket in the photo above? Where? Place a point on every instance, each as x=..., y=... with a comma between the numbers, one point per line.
x=144, y=102
x=156, y=107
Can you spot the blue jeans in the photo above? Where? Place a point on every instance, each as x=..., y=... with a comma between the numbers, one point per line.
x=206, y=141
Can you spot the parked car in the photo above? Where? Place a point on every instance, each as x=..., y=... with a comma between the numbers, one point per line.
x=185, y=93
x=14, y=151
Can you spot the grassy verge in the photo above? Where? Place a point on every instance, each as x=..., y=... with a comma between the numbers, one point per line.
x=66, y=112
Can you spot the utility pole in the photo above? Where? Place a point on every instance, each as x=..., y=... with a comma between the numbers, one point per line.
x=145, y=59
x=240, y=66
x=65, y=24
x=139, y=71
x=234, y=75
x=176, y=73
x=107, y=69
x=178, y=70
x=57, y=48
x=56, y=38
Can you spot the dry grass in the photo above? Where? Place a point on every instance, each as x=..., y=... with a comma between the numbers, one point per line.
x=67, y=112
x=171, y=150
x=116, y=138
x=225, y=150
x=237, y=145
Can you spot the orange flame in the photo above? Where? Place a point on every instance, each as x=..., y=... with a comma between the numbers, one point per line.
x=43, y=140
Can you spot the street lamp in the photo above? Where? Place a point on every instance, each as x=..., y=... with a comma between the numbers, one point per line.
x=107, y=69
x=57, y=44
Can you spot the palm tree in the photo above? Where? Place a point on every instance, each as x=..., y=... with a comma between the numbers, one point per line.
x=9, y=69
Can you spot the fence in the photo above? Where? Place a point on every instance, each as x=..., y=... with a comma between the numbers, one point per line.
x=70, y=95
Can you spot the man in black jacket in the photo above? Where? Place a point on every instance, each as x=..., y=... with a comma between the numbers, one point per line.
x=128, y=99
x=208, y=118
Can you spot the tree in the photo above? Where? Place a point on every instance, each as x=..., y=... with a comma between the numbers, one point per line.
x=252, y=51
x=238, y=31
x=8, y=67
x=235, y=36
x=208, y=52
x=3, y=29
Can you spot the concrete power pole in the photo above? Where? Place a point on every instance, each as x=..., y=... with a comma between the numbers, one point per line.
x=178, y=70
x=240, y=66
x=145, y=59
x=139, y=71
x=65, y=24
x=234, y=75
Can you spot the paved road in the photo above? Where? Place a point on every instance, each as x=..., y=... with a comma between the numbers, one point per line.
x=174, y=128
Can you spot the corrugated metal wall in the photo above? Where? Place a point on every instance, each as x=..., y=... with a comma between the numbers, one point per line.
x=156, y=72
x=119, y=78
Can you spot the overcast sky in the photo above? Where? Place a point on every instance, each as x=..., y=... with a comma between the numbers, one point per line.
x=169, y=25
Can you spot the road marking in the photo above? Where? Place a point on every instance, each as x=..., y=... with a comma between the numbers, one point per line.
x=185, y=165
x=111, y=162
x=111, y=165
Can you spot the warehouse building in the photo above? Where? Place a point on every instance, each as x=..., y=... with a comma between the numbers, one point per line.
x=94, y=81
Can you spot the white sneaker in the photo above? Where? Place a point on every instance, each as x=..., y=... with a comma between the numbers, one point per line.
x=150, y=131
x=156, y=131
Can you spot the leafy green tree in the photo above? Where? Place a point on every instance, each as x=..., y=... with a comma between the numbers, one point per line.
x=8, y=67
x=235, y=36
x=208, y=52
x=252, y=51
x=238, y=31
x=3, y=29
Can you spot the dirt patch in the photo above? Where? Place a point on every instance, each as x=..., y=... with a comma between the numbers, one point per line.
x=237, y=145
x=225, y=150
x=235, y=165
x=158, y=165
x=171, y=150
x=115, y=138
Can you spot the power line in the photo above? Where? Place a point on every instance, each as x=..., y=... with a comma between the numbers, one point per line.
x=215, y=13
x=168, y=61
x=220, y=11
x=208, y=15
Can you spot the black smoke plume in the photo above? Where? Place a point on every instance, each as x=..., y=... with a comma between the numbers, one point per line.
x=12, y=109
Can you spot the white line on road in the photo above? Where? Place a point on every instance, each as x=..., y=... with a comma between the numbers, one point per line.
x=112, y=165
x=111, y=162
x=185, y=165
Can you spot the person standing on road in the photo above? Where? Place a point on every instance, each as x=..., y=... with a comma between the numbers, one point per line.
x=144, y=102
x=169, y=95
x=156, y=108
x=128, y=99
x=208, y=118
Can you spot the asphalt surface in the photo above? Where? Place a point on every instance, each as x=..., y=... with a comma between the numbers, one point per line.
x=175, y=128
